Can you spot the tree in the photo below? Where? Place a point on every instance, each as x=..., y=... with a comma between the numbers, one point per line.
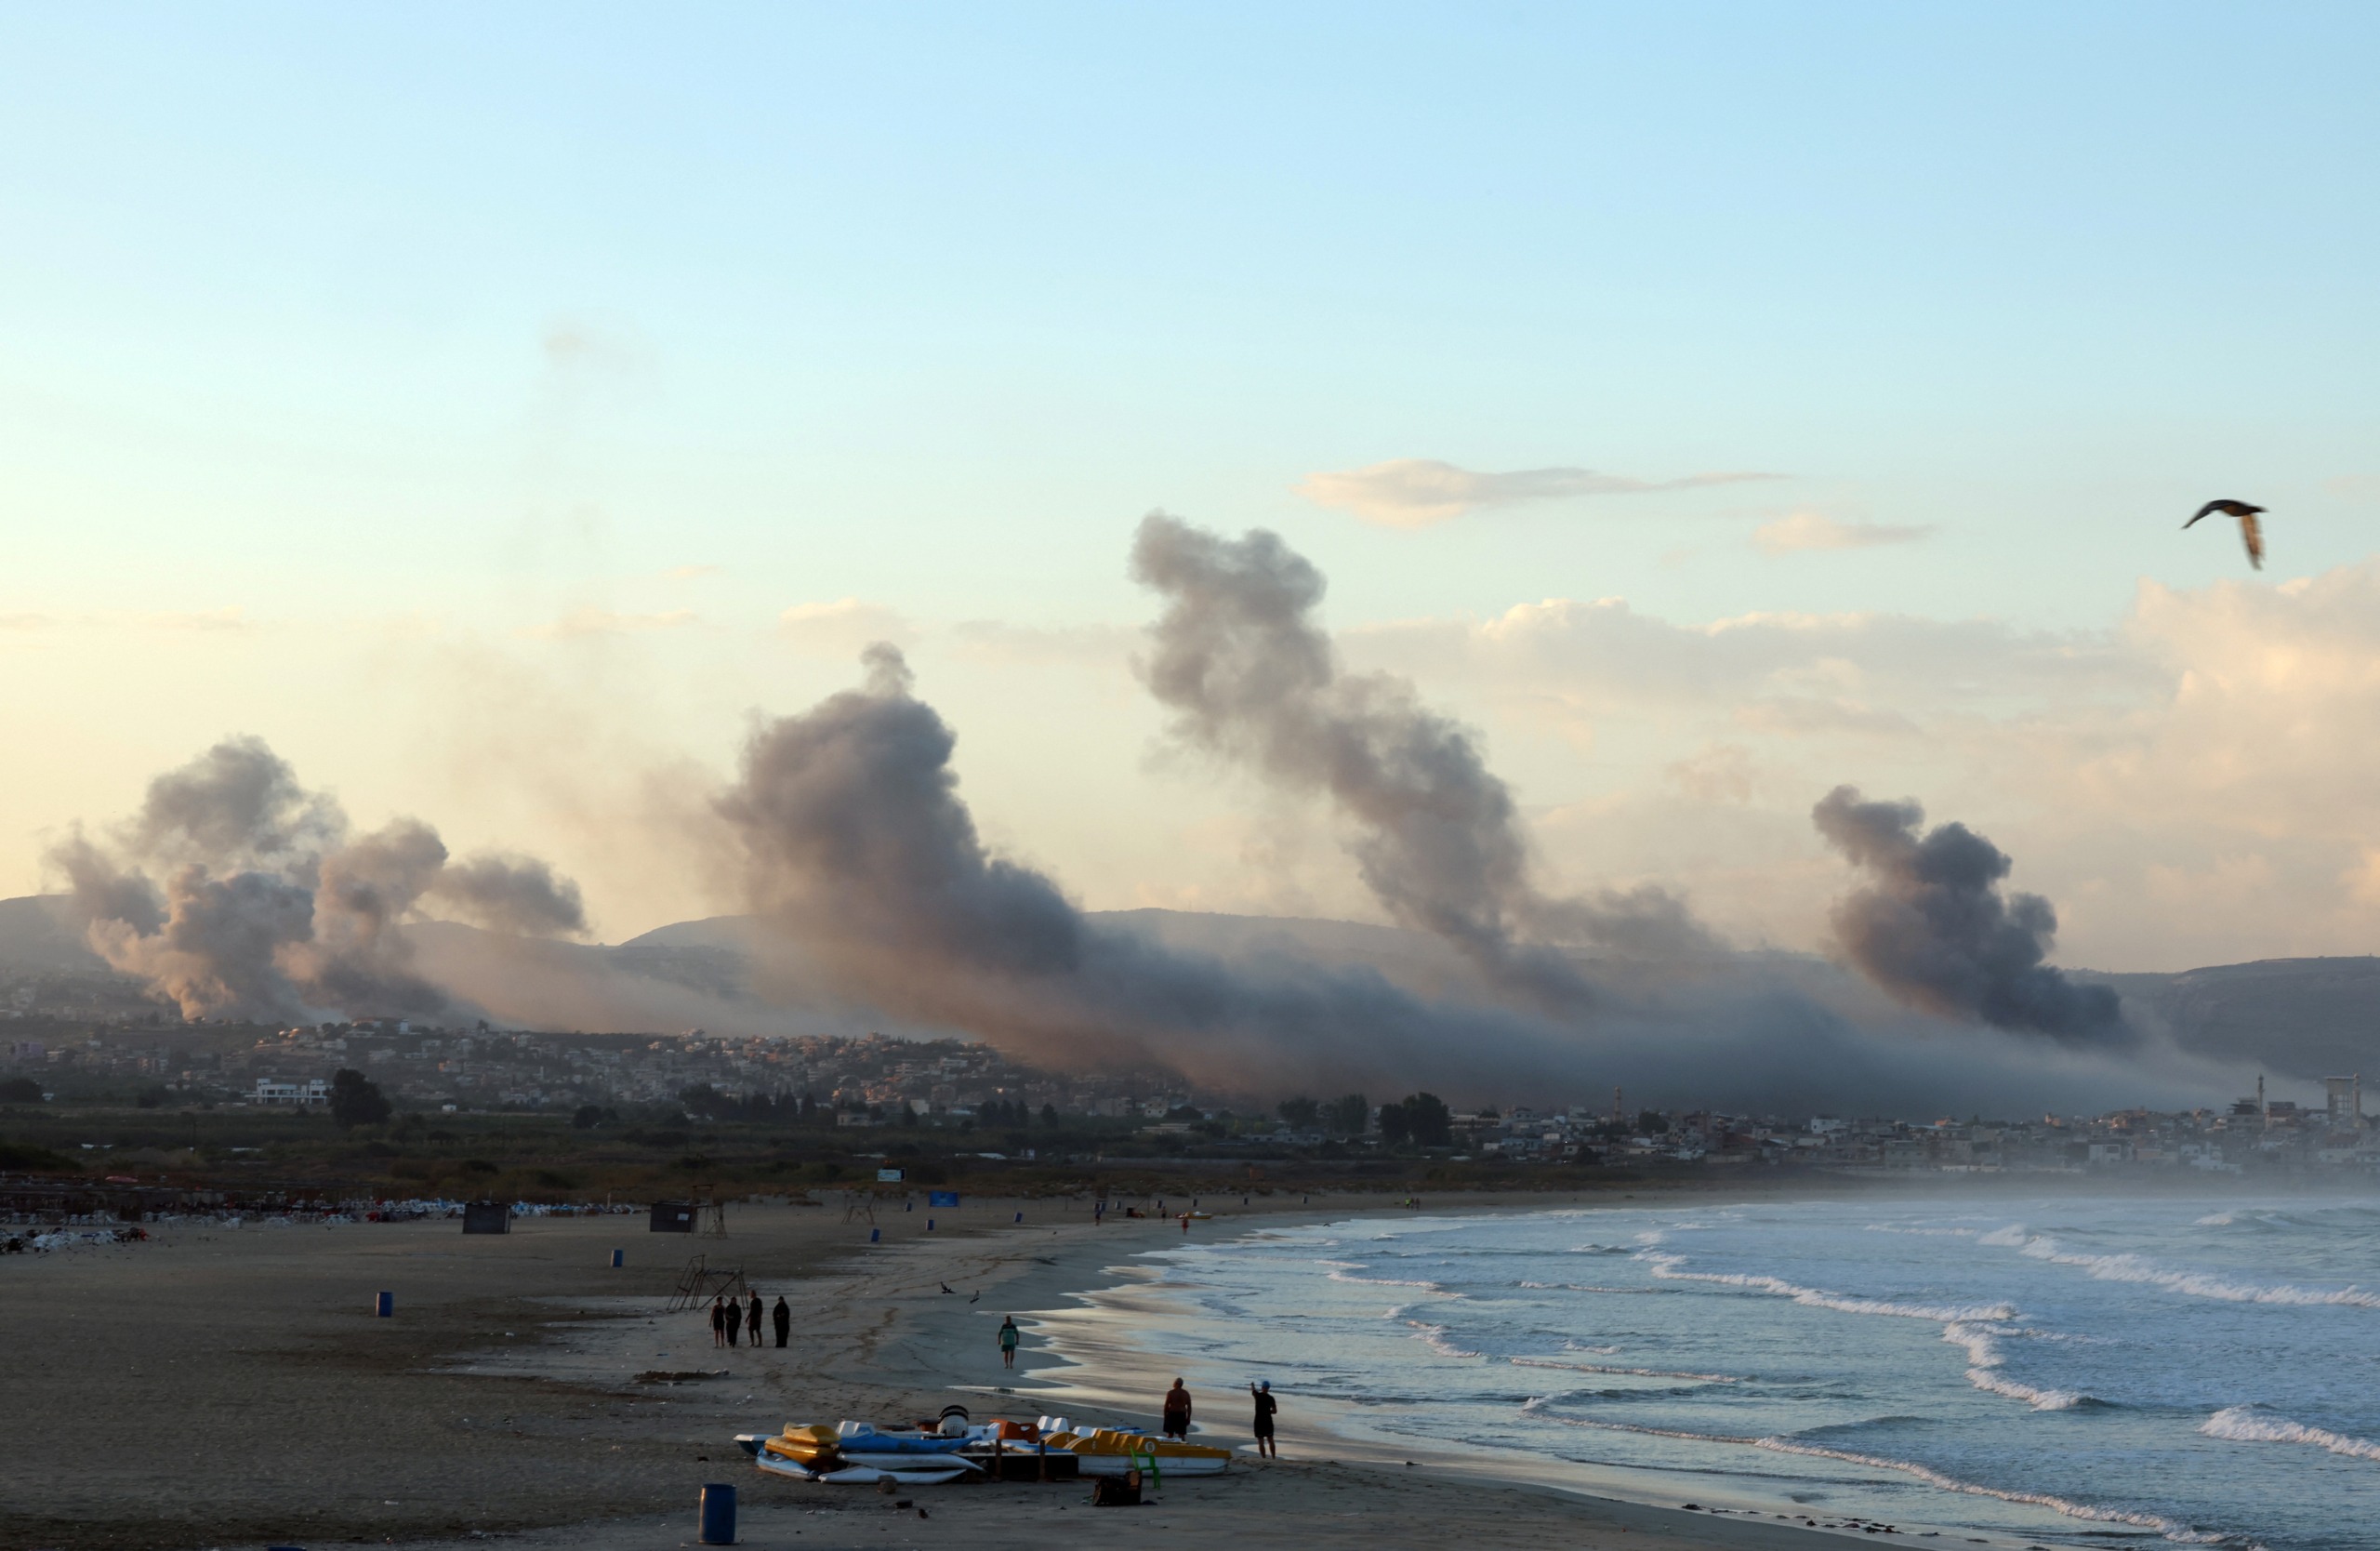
x=1049, y=1114
x=1351, y=1116
x=356, y=1100
x=1651, y=1122
x=1428, y=1121
x=1299, y=1113
x=587, y=1118
x=20, y=1090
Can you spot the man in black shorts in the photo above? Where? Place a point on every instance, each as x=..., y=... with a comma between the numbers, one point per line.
x=1266, y=1408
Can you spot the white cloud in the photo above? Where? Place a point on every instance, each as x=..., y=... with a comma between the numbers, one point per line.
x=1717, y=773
x=588, y=620
x=841, y=628
x=1085, y=645
x=2191, y=784
x=1416, y=492
x=1811, y=530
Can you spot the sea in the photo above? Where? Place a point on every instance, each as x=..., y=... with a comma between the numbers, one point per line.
x=2067, y=1372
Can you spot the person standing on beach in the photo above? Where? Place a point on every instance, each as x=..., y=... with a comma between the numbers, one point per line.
x=733, y=1313
x=755, y=1326
x=1008, y=1337
x=1266, y=1408
x=1177, y=1412
x=718, y=1322
x=785, y=1319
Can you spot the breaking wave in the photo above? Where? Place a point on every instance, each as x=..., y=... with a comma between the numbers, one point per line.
x=2243, y=1424
x=1665, y=1266
x=1631, y=1372
x=1985, y=1361
x=2196, y=1284
x=1434, y=1337
x=2181, y=1533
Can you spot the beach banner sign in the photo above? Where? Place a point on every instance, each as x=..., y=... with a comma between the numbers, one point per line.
x=942, y=1198
x=890, y=1176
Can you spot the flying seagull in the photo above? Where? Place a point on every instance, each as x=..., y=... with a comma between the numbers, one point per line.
x=2251, y=534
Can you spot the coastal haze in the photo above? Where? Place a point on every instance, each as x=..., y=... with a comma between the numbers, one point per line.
x=1518, y=721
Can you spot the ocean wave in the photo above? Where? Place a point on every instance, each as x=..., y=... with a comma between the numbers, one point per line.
x=1923, y=1232
x=2215, y=1219
x=2196, y=1284
x=1385, y=1282
x=1630, y=1373
x=2244, y=1424
x=2172, y=1531
x=1434, y=1337
x=1599, y=1351
x=1665, y=1266
x=1985, y=1361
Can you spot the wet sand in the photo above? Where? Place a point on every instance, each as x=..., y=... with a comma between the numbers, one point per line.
x=228, y=1386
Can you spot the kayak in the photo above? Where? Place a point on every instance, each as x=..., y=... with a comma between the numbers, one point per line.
x=1104, y=1452
x=860, y=1435
x=863, y=1474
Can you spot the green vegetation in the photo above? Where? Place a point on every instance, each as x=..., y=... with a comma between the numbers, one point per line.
x=644, y=1152
x=17, y=1156
x=356, y=1100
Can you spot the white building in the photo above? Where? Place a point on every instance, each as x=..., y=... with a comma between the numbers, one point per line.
x=299, y=1094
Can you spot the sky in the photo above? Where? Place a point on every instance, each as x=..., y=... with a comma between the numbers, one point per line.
x=499, y=411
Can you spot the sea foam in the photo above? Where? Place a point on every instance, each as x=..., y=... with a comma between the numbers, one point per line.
x=2181, y=1533
x=2245, y=1425
x=1665, y=1267
x=2196, y=1284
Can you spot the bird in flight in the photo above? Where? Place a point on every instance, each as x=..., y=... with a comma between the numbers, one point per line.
x=2250, y=533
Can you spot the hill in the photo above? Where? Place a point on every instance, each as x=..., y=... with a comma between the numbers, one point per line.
x=2302, y=1018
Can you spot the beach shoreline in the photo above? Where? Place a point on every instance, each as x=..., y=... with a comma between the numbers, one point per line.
x=504, y=1398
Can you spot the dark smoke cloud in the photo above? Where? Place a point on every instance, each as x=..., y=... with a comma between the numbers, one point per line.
x=267, y=909
x=1934, y=931
x=856, y=847
x=871, y=885
x=1253, y=680
x=520, y=895
x=238, y=804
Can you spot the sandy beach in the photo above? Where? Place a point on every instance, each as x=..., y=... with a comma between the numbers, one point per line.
x=221, y=1387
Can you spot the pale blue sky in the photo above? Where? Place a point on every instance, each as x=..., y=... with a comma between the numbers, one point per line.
x=489, y=314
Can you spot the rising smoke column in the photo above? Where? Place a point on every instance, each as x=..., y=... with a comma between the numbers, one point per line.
x=267, y=909
x=1933, y=929
x=856, y=848
x=1253, y=680
x=871, y=883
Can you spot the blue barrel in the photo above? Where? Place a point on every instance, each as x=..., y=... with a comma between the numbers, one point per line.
x=719, y=1515
x=1020, y=1216
x=875, y=1234
x=384, y=1305
x=619, y=1258
x=929, y=1225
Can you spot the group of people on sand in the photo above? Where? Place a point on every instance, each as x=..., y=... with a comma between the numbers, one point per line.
x=729, y=1318
x=1177, y=1400
x=1177, y=1415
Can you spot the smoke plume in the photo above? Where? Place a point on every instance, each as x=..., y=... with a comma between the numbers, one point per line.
x=856, y=846
x=871, y=883
x=1933, y=930
x=268, y=909
x=1253, y=680
x=520, y=895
